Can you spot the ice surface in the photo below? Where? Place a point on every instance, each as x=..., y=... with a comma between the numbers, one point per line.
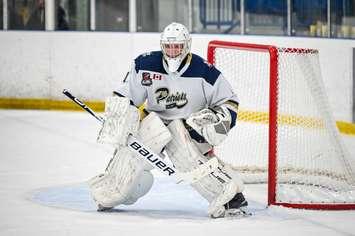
x=46, y=157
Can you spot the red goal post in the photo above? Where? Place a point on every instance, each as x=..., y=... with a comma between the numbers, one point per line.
x=294, y=73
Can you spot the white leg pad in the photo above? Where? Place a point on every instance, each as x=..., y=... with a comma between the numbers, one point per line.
x=142, y=186
x=127, y=178
x=217, y=188
x=116, y=185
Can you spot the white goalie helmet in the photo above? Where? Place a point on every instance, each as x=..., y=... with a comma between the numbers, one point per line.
x=175, y=43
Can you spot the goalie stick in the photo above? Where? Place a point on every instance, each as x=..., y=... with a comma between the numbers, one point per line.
x=152, y=158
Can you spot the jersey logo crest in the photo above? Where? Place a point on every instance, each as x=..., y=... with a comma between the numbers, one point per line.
x=178, y=99
x=147, y=78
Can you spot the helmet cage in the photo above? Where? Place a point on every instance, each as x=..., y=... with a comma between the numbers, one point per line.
x=175, y=48
x=175, y=44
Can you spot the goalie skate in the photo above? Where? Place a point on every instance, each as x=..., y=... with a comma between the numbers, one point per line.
x=236, y=208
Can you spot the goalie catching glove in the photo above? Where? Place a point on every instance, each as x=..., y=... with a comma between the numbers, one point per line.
x=212, y=124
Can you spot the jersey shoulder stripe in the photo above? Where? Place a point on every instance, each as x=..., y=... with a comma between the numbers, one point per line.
x=151, y=61
x=201, y=68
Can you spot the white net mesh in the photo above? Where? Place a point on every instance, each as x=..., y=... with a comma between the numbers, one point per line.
x=312, y=165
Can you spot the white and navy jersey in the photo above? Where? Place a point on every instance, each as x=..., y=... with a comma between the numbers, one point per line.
x=195, y=86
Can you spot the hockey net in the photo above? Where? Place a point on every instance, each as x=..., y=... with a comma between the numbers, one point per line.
x=285, y=134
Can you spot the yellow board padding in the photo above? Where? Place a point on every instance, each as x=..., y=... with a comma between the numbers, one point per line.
x=293, y=120
x=303, y=121
x=99, y=106
x=47, y=104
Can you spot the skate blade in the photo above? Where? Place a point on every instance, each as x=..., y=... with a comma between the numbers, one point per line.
x=101, y=208
x=231, y=213
x=237, y=213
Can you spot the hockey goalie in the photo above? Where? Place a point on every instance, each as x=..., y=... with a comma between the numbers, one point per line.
x=189, y=108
